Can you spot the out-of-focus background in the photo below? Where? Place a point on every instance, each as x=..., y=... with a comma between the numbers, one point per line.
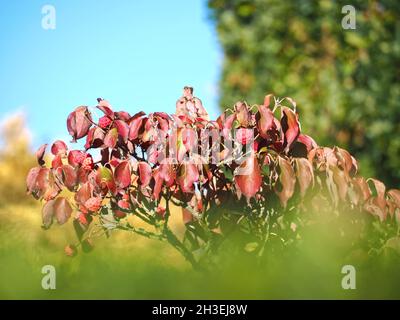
x=346, y=82
x=139, y=55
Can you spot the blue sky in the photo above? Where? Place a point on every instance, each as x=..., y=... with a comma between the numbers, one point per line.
x=136, y=54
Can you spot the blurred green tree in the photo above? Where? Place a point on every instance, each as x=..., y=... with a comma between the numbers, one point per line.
x=346, y=82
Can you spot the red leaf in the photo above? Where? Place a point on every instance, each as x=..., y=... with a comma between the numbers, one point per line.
x=122, y=175
x=94, y=138
x=307, y=141
x=93, y=204
x=57, y=162
x=188, y=175
x=265, y=121
x=245, y=135
x=167, y=172
x=134, y=128
x=305, y=174
x=345, y=160
x=362, y=188
x=290, y=127
x=62, y=210
x=104, y=122
x=122, y=128
x=267, y=100
x=287, y=180
x=76, y=157
x=105, y=106
x=189, y=138
x=158, y=184
x=42, y=182
x=59, y=148
x=243, y=115
x=70, y=177
x=40, y=154
x=135, y=116
x=249, y=179
x=79, y=122
x=84, y=193
x=59, y=209
x=111, y=138
x=48, y=213
x=123, y=115
x=377, y=204
x=341, y=181
x=144, y=173
x=394, y=194
x=31, y=179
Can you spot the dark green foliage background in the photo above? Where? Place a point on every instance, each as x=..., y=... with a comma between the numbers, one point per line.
x=346, y=82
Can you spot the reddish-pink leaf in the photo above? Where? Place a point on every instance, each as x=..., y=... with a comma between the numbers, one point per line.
x=341, y=181
x=394, y=194
x=378, y=201
x=394, y=201
x=48, y=213
x=59, y=209
x=267, y=100
x=290, y=127
x=135, y=116
x=243, y=115
x=345, y=160
x=307, y=141
x=105, y=106
x=111, y=138
x=225, y=123
x=362, y=188
x=123, y=115
x=62, y=210
x=122, y=128
x=168, y=173
x=84, y=193
x=59, y=148
x=40, y=154
x=42, y=182
x=249, y=177
x=56, y=162
x=76, y=157
x=93, y=204
x=149, y=130
x=188, y=175
x=31, y=180
x=305, y=174
x=189, y=138
x=265, y=121
x=158, y=183
x=245, y=135
x=79, y=122
x=134, y=128
x=94, y=138
x=144, y=173
x=287, y=180
x=122, y=175
x=69, y=177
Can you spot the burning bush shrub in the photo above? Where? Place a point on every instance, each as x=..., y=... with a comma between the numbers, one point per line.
x=244, y=172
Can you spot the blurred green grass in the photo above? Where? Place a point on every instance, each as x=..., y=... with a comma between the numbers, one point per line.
x=126, y=266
